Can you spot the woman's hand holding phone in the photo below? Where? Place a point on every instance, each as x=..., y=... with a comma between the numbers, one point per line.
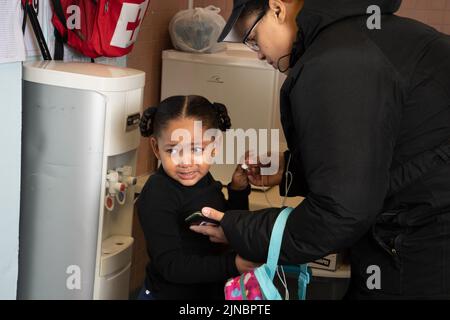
x=215, y=233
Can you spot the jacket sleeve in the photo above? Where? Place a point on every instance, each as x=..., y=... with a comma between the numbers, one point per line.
x=346, y=113
x=293, y=183
x=158, y=216
x=238, y=199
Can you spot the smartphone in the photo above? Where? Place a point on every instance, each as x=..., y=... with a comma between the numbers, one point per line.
x=198, y=219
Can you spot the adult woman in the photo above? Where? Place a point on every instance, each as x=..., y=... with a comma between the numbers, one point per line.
x=366, y=113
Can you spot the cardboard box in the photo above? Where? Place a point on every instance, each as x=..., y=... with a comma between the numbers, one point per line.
x=331, y=262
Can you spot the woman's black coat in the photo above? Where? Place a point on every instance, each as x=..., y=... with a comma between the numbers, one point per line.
x=366, y=114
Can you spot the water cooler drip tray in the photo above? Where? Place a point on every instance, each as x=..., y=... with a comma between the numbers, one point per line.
x=115, y=268
x=116, y=254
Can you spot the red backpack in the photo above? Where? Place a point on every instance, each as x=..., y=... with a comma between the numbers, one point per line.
x=96, y=28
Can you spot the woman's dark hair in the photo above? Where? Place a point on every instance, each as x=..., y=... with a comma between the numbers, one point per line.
x=212, y=115
x=254, y=7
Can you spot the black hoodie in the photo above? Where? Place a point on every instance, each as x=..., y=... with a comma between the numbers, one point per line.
x=319, y=14
x=357, y=107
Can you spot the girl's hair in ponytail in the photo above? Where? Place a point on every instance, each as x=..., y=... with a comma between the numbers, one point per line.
x=224, y=121
x=212, y=115
x=147, y=122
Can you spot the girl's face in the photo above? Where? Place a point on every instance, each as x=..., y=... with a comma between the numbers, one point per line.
x=183, y=159
x=275, y=32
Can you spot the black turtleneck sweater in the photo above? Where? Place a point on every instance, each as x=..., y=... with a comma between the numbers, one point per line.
x=185, y=265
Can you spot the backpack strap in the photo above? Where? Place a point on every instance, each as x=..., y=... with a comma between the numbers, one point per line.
x=24, y=21
x=59, y=38
x=31, y=14
x=266, y=273
x=59, y=46
x=275, y=241
x=304, y=278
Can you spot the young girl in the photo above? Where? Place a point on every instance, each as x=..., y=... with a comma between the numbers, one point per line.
x=183, y=264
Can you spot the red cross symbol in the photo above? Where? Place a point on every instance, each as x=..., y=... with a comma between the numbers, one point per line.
x=134, y=25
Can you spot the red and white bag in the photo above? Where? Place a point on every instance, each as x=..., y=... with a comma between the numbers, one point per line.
x=96, y=28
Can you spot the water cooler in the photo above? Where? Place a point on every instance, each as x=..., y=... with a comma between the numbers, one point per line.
x=80, y=140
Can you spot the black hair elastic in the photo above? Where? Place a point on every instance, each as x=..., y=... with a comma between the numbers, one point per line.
x=224, y=118
x=147, y=121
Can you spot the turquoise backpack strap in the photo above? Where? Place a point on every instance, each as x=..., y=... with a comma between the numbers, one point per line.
x=303, y=280
x=275, y=242
x=304, y=277
x=266, y=273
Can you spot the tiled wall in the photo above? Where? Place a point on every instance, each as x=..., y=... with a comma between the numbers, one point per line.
x=433, y=12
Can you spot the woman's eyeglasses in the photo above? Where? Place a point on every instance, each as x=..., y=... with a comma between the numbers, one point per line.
x=251, y=43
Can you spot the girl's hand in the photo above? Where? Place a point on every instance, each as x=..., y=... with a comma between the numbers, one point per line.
x=239, y=180
x=214, y=233
x=256, y=179
x=244, y=266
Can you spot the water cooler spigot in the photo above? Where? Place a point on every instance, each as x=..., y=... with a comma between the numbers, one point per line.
x=116, y=190
x=121, y=197
x=117, y=183
x=113, y=183
x=118, y=187
x=109, y=202
x=126, y=177
x=130, y=181
x=126, y=170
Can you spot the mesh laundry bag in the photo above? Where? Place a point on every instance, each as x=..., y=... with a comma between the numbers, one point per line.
x=197, y=30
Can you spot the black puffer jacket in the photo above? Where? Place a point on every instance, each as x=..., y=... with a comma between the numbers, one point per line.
x=358, y=106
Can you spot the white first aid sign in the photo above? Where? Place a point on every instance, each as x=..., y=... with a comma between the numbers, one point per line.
x=129, y=23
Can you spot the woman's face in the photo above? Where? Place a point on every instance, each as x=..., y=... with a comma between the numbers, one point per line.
x=184, y=158
x=275, y=32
